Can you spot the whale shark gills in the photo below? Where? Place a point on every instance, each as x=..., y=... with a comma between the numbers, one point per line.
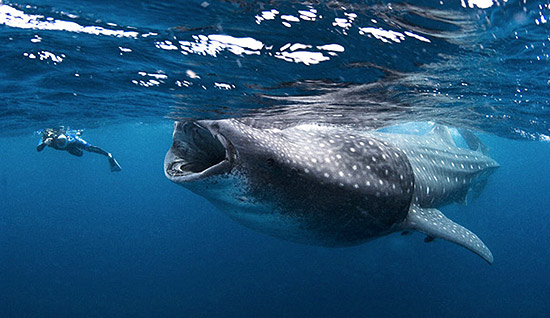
x=430, y=220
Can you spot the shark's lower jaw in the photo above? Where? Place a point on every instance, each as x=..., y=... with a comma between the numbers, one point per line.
x=196, y=153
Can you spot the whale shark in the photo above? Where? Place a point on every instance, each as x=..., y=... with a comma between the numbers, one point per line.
x=330, y=185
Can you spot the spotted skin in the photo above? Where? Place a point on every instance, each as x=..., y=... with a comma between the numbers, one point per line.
x=443, y=172
x=435, y=224
x=321, y=185
x=332, y=187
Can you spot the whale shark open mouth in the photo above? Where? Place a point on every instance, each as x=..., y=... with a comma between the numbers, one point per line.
x=196, y=153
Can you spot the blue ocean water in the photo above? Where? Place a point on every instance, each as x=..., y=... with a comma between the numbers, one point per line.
x=77, y=240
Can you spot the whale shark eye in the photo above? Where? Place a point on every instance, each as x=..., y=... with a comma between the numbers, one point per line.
x=270, y=162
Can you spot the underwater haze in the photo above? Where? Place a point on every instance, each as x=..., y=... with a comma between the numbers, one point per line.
x=79, y=241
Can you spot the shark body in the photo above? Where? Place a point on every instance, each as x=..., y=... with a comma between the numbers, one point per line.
x=328, y=185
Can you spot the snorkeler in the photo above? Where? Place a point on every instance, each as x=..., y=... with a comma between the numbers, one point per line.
x=70, y=141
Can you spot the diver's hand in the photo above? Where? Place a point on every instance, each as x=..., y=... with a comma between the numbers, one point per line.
x=43, y=143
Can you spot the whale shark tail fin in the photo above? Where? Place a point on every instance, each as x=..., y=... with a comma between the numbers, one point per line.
x=433, y=223
x=473, y=141
x=478, y=187
x=462, y=196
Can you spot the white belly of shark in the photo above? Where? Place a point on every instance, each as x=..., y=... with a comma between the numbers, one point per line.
x=328, y=185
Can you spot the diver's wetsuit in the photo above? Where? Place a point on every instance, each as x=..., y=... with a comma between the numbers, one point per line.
x=73, y=144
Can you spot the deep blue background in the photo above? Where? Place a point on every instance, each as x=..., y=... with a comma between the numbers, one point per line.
x=77, y=240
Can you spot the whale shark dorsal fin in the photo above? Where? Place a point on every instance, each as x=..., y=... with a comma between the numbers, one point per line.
x=434, y=223
x=442, y=133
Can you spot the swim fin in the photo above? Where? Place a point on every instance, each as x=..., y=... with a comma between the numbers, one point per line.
x=114, y=164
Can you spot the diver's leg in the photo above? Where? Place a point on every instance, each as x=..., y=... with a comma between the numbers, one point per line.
x=75, y=151
x=112, y=161
x=97, y=150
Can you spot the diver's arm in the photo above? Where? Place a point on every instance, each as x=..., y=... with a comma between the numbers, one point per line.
x=43, y=143
x=40, y=146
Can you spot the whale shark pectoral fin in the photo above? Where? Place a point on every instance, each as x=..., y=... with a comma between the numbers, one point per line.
x=435, y=224
x=442, y=133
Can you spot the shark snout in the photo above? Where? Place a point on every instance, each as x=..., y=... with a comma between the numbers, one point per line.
x=196, y=152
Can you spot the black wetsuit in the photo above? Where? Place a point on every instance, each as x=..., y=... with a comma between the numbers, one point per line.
x=75, y=146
